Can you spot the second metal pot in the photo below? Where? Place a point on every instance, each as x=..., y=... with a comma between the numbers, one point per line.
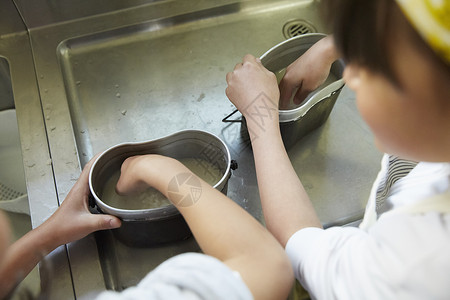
x=314, y=111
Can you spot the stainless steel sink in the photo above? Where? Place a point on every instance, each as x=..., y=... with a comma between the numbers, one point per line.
x=152, y=79
x=146, y=69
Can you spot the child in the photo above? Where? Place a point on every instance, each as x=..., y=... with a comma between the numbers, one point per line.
x=222, y=229
x=398, y=64
x=72, y=221
x=243, y=261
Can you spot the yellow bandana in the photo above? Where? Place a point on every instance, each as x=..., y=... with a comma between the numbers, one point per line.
x=431, y=18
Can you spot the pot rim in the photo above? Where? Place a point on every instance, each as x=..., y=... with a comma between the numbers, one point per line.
x=291, y=115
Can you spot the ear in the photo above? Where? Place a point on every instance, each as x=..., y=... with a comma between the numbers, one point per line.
x=352, y=76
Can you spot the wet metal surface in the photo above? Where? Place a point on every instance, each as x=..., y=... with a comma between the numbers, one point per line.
x=142, y=71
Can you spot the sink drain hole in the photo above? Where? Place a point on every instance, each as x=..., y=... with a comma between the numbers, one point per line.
x=297, y=27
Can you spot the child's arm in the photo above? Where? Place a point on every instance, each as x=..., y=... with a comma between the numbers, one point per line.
x=308, y=72
x=72, y=221
x=221, y=227
x=285, y=204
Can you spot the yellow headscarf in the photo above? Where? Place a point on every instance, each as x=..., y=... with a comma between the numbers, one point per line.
x=431, y=18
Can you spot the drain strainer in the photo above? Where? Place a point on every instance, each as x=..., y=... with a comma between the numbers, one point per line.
x=7, y=193
x=297, y=27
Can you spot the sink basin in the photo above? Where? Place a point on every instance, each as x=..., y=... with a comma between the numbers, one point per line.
x=152, y=79
x=142, y=72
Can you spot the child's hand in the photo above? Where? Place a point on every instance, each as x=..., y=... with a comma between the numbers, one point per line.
x=308, y=72
x=73, y=220
x=302, y=77
x=140, y=172
x=132, y=175
x=248, y=81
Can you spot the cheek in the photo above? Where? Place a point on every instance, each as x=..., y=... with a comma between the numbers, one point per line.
x=376, y=110
x=368, y=107
x=386, y=110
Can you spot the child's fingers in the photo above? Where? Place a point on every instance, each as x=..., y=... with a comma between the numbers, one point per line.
x=129, y=181
x=103, y=222
x=250, y=58
x=301, y=95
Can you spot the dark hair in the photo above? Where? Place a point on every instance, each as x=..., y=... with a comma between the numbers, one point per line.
x=360, y=29
x=363, y=31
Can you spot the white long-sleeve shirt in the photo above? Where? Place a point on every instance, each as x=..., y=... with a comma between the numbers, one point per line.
x=189, y=276
x=403, y=253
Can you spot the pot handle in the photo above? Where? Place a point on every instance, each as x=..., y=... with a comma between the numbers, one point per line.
x=93, y=208
x=227, y=120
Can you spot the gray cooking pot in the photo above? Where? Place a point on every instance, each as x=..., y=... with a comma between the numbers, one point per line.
x=298, y=121
x=147, y=227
